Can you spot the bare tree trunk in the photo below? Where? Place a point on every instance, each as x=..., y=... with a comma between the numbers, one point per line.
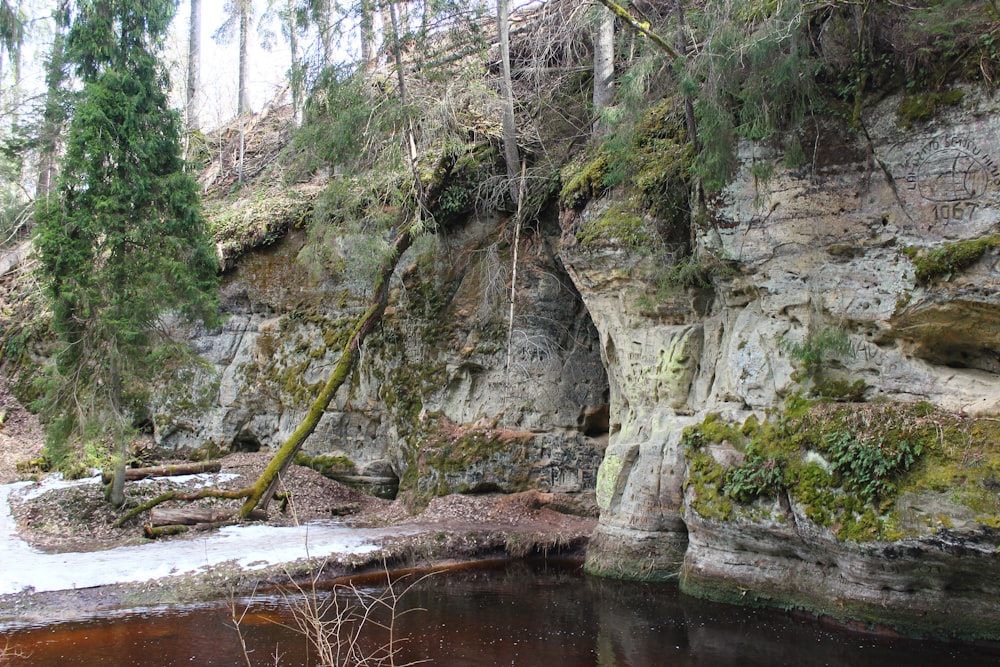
x=54, y=115
x=243, y=147
x=604, y=65
x=510, y=151
x=14, y=92
x=194, y=67
x=325, y=26
x=117, y=495
x=295, y=74
x=369, y=58
x=244, y=94
x=640, y=27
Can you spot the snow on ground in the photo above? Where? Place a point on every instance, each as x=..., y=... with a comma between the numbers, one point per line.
x=55, y=482
x=251, y=547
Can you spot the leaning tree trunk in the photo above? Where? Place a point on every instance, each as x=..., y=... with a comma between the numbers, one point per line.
x=267, y=484
x=259, y=494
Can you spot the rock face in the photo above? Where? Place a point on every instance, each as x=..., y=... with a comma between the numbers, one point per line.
x=862, y=241
x=431, y=401
x=869, y=273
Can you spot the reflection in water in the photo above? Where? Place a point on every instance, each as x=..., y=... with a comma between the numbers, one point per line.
x=524, y=614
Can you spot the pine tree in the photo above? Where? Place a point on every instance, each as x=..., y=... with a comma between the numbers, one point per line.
x=122, y=240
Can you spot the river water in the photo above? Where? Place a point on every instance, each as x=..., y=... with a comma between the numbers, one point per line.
x=520, y=613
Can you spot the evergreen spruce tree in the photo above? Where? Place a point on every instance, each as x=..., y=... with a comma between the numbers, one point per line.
x=122, y=239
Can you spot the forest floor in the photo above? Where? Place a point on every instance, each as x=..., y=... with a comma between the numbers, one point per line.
x=56, y=532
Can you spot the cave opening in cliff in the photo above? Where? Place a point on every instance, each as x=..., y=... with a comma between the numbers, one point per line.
x=595, y=421
x=245, y=442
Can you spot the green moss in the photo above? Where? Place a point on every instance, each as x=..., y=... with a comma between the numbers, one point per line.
x=607, y=478
x=209, y=451
x=813, y=487
x=326, y=464
x=847, y=465
x=255, y=216
x=620, y=225
x=582, y=181
x=706, y=476
x=713, y=429
x=949, y=259
x=922, y=107
x=649, y=159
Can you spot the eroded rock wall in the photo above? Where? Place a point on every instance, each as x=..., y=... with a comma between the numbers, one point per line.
x=839, y=244
x=432, y=400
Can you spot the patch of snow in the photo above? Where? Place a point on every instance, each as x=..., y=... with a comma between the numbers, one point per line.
x=52, y=482
x=195, y=481
x=250, y=546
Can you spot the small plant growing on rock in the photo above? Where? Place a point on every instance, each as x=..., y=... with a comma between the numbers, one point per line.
x=816, y=349
x=868, y=465
x=812, y=356
x=757, y=476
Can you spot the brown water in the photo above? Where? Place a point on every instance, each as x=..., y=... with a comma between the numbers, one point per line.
x=524, y=614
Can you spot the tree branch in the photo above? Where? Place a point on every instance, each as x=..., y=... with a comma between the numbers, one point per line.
x=641, y=27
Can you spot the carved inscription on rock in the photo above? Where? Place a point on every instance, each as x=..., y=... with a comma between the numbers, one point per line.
x=950, y=177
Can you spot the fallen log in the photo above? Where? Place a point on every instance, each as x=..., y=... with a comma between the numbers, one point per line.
x=133, y=474
x=162, y=531
x=189, y=516
x=153, y=532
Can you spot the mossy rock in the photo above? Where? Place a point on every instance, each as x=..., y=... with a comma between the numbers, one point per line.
x=620, y=224
x=583, y=181
x=449, y=458
x=943, y=262
x=922, y=107
x=847, y=465
x=328, y=465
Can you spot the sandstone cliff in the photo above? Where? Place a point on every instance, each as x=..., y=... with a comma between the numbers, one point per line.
x=869, y=274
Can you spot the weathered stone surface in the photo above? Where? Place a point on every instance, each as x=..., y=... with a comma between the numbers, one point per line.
x=944, y=585
x=820, y=248
x=441, y=352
